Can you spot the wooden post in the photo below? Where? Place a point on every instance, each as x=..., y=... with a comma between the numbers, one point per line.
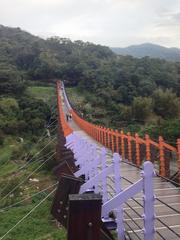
x=138, y=161
x=93, y=131
x=112, y=140
x=96, y=133
x=178, y=152
x=122, y=145
x=101, y=135
x=117, y=141
x=162, y=171
x=129, y=147
x=148, y=151
x=108, y=138
x=84, y=220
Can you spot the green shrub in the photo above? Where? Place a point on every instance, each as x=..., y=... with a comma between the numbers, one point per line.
x=166, y=103
x=141, y=108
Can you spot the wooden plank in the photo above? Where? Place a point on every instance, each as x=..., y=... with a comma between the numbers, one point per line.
x=67, y=185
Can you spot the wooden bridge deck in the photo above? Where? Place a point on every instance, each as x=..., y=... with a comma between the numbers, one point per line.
x=167, y=201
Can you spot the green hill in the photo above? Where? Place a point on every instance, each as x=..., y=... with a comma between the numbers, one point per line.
x=29, y=57
x=128, y=91
x=151, y=50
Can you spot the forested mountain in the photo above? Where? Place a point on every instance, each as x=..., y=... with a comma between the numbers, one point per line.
x=124, y=89
x=151, y=50
x=24, y=56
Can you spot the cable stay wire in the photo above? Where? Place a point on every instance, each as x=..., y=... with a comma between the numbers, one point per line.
x=25, y=216
x=2, y=210
x=40, y=139
x=53, y=114
x=26, y=178
x=52, y=107
x=4, y=187
x=40, y=159
x=48, y=126
x=27, y=163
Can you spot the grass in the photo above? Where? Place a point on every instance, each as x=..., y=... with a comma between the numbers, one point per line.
x=6, y=165
x=44, y=93
x=5, y=154
x=86, y=103
x=75, y=96
x=7, y=169
x=38, y=226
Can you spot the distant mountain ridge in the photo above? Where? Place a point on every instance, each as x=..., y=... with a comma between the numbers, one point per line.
x=151, y=50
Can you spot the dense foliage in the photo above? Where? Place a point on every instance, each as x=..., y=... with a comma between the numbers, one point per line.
x=120, y=91
x=34, y=58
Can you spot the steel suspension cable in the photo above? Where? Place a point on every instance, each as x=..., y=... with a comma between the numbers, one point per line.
x=27, y=177
x=40, y=139
x=22, y=219
x=23, y=200
x=36, y=154
x=37, y=161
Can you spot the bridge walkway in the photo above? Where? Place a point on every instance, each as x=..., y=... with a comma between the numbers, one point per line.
x=167, y=198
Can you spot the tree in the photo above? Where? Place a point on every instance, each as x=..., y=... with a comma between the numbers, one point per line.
x=9, y=106
x=141, y=108
x=166, y=103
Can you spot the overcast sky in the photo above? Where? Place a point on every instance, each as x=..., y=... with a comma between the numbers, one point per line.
x=115, y=23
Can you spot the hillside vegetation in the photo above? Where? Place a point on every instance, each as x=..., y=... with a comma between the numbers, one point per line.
x=27, y=157
x=125, y=92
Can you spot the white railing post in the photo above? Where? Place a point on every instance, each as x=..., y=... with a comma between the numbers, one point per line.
x=104, y=176
x=119, y=211
x=149, y=215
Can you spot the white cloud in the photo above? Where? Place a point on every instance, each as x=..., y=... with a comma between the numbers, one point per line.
x=108, y=22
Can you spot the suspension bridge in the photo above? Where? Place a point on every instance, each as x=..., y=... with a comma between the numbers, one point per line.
x=131, y=183
x=144, y=197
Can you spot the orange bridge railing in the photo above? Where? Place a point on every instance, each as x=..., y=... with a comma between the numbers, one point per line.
x=134, y=148
x=61, y=118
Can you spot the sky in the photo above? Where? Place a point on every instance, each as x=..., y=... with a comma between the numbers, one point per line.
x=114, y=23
